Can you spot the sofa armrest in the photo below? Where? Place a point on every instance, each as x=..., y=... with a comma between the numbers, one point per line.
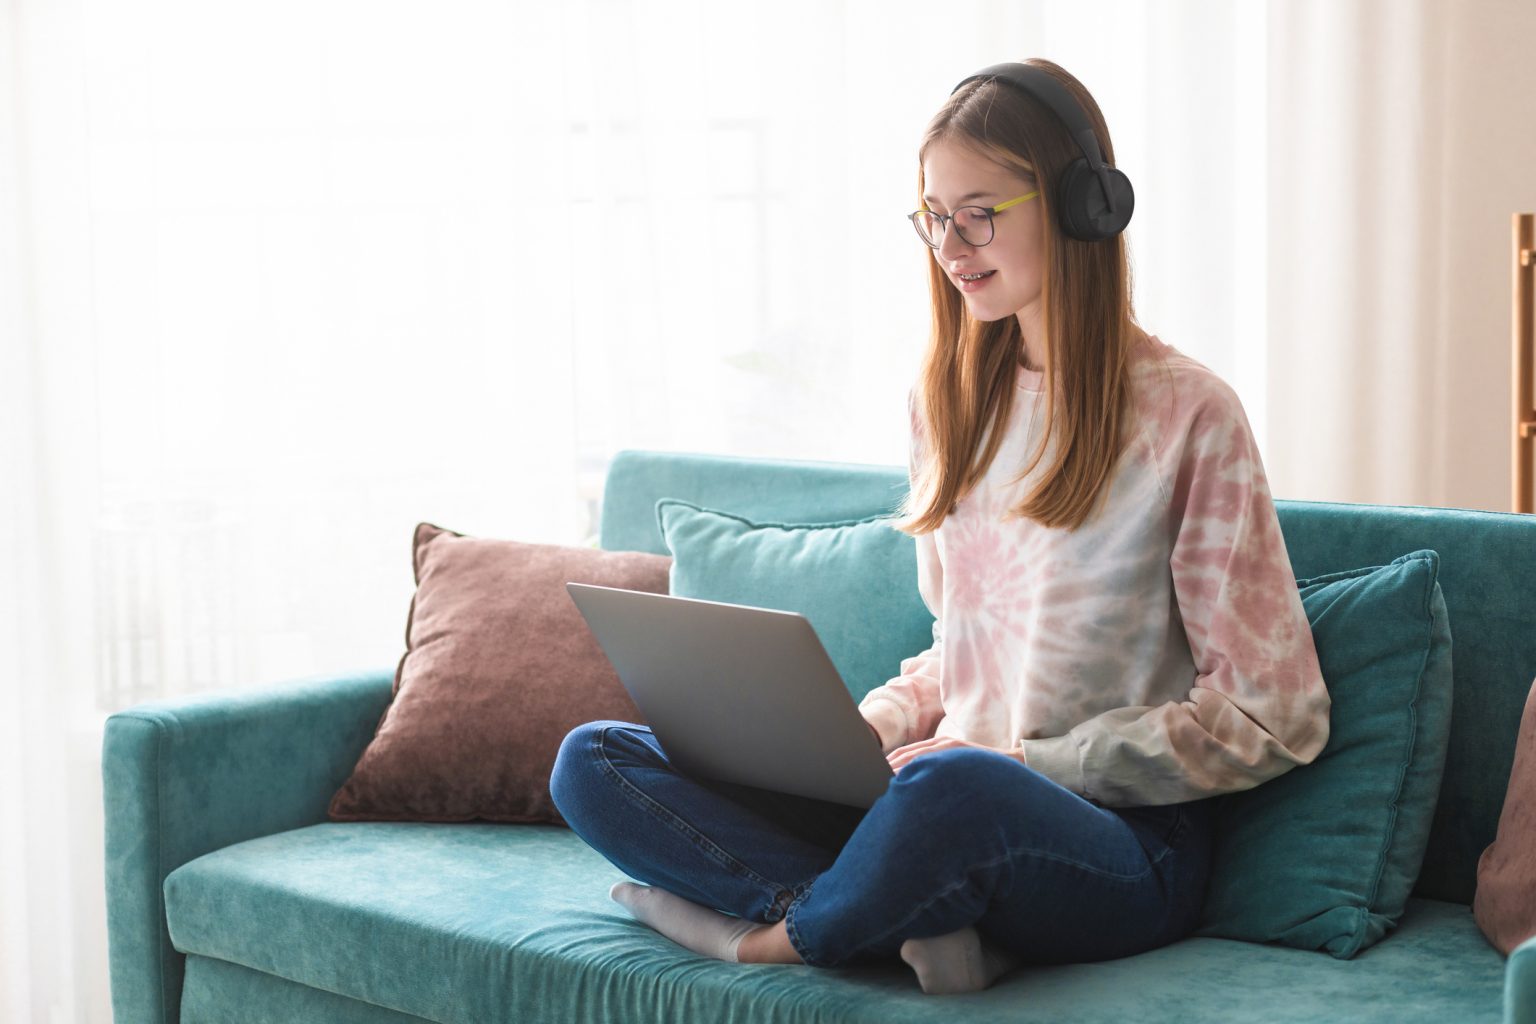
x=182, y=778
x=1520, y=984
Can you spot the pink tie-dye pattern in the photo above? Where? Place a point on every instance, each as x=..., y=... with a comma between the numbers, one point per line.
x=1165, y=637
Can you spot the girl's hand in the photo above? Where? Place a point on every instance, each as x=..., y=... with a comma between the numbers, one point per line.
x=903, y=756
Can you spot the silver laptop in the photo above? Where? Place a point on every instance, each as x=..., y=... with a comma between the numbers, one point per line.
x=738, y=694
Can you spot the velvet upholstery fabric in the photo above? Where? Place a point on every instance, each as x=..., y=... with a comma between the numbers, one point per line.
x=192, y=775
x=231, y=767
x=765, y=490
x=484, y=923
x=217, y=990
x=854, y=581
x=1338, y=842
x=185, y=776
x=499, y=666
x=1505, y=901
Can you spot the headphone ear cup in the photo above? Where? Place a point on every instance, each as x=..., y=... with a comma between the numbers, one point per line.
x=1084, y=212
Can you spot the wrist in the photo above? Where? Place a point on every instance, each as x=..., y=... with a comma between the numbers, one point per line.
x=888, y=722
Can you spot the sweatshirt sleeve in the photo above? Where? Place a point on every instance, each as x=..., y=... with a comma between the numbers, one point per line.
x=1259, y=705
x=908, y=708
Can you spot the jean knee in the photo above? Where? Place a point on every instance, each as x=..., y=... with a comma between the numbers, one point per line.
x=960, y=779
x=576, y=767
x=957, y=766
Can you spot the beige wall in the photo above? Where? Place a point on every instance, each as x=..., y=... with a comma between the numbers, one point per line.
x=1490, y=135
x=1400, y=145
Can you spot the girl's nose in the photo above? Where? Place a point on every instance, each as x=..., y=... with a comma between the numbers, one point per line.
x=952, y=242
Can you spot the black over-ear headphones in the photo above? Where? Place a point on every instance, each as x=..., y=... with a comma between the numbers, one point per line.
x=1093, y=200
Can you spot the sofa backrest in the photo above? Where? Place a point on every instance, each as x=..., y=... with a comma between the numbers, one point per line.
x=1487, y=574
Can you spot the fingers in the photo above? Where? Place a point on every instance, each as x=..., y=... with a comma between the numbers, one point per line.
x=902, y=756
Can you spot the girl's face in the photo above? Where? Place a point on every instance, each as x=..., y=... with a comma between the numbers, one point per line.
x=951, y=175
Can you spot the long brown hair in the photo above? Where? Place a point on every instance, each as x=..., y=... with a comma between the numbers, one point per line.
x=970, y=367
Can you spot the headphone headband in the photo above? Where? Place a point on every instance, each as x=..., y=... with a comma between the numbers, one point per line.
x=1094, y=200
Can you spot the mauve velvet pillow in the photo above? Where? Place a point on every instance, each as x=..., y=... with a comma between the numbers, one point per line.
x=499, y=666
x=1504, y=903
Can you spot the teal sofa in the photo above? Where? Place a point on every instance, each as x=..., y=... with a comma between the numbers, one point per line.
x=232, y=898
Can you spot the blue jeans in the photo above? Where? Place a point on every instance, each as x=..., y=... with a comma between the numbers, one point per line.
x=961, y=837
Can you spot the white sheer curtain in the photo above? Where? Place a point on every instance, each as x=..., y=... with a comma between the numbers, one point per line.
x=280, y=280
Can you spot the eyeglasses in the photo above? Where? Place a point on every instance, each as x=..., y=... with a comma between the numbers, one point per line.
x=973, y=222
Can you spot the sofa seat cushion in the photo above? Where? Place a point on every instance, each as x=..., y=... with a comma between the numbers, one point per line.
x=217, y=990
x=487, y=923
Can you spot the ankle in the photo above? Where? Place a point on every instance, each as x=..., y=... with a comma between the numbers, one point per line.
x=768, y=944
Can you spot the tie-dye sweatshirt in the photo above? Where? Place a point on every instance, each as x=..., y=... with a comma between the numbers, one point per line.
x=1157, y=654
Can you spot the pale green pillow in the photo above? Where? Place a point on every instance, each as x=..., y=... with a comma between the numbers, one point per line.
x=855, y=581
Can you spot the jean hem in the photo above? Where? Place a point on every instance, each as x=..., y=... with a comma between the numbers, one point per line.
x=779, y=908
x=792, y=929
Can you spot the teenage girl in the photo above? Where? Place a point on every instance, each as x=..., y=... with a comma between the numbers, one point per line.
x=1118, y=637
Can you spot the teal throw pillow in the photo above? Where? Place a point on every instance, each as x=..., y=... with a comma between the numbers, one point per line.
x=854, y=581
x=1324, y=857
